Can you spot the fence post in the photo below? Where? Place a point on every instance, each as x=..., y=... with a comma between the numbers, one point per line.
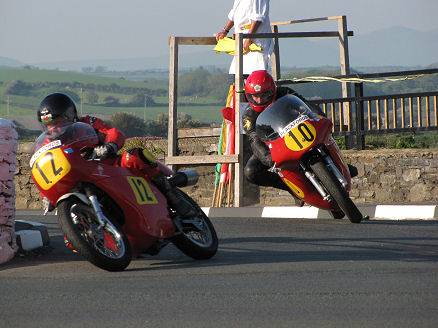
x=275, y=57
x=360, y=124
x=238, y=143
x=172, y=136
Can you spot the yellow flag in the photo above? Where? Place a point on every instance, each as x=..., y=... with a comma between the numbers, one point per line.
x=228, y=46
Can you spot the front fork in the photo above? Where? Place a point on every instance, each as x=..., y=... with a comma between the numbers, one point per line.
x=101, y=217
x=327, y=160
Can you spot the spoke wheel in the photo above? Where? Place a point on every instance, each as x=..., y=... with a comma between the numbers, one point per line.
x=106, y=247
x=196, y=235
x=337, y=191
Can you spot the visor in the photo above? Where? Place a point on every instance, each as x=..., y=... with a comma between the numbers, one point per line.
x=264, y=98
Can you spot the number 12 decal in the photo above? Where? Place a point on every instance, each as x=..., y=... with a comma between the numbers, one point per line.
x=300, y=137
x=50, y=167
x=142, y=191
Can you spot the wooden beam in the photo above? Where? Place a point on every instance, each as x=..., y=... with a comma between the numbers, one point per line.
x=172, y=133
x=275, y=57
x=195, y=40
x=199, y=132
x=238, y=141
x=344, y=56
x=316, y=34
x=307, y=20
x=202, y=159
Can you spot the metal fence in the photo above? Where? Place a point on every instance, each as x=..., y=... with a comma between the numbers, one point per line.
x=358, y=116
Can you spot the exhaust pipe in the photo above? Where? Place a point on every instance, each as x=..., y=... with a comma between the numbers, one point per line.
x=184, y=178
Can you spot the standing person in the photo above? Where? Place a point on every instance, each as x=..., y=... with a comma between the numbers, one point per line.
x=250, y=16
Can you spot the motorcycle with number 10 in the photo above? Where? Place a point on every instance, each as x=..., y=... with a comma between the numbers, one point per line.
x=111, y=213
x=307, y=157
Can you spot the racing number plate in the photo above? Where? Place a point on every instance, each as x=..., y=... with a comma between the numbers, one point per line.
x=142, y=191
x=50, y=167
x=300, y=137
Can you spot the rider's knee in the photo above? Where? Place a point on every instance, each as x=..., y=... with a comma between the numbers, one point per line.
x=250, y=173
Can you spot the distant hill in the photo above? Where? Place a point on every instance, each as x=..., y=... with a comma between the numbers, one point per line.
x=8, y=62
x=395, y=46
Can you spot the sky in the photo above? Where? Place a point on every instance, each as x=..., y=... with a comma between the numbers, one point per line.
x=37, y=31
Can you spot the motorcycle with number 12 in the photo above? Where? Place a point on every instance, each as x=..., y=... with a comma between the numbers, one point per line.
x=307, y=157
x=111, y=213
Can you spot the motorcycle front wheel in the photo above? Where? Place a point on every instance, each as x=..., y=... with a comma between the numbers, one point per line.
x=337, y=191
x=196, y=235
x=106, y=247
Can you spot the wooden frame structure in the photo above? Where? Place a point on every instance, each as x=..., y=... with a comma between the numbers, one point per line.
x=237, y=160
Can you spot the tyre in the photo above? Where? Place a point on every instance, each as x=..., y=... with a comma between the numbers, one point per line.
x=337, y=191
x=196, y=235
x=107, y=247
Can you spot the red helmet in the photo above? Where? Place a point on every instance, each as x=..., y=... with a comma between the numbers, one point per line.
x=260, y=90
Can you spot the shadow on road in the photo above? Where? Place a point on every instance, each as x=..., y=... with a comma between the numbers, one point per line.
x=267, y=249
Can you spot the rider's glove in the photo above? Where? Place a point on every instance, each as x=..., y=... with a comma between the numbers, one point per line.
x=104, y=151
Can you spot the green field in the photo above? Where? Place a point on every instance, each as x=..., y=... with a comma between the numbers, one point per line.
x=54, y=76
x=23, y=107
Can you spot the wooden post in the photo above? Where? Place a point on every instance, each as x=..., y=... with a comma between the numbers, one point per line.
x=385, y=109
x=172, y=134
x=238, y=167
x=411, y=113
x=403, y=119
x=344, y=56
x=370, y=115
x=435, y=110
x=427, y=112
x=275, y=57
x=378, y=114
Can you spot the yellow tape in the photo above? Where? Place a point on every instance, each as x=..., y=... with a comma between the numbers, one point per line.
x=354, y=79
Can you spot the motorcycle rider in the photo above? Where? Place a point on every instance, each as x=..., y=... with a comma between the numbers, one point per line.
x=261, y=91
x=57, y=109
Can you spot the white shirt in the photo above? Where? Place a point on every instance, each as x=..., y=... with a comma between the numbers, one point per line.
x=242, y=14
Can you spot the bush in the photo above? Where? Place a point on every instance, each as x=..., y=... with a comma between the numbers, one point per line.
x=111, y=101
x=140, y=100
x=18, y=88
x=130, y=125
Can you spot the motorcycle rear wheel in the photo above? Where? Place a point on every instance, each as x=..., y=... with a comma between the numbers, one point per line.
x=106, y=248
x=337, y=191
x=196, y=235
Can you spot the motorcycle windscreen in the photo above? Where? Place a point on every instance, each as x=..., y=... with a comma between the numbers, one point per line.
x=274, y=121
x=68, y=134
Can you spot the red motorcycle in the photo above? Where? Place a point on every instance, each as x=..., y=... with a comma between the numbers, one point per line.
x=110, y=213
x=307, y=157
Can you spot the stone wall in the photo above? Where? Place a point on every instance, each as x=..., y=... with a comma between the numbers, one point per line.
x=385, y=177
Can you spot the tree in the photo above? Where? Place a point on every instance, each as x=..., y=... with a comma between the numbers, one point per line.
x=130, y=125
x=88, y=69
x=18, y=87
x=194, y=83
x=91, y=97
x=111, y=101
x=140, y=100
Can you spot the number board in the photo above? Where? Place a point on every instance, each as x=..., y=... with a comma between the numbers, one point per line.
x=142, y=191
x=297, y=190
x=50, y=167
x=300, y=137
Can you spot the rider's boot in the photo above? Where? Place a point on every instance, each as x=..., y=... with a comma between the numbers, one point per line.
x=176, y=201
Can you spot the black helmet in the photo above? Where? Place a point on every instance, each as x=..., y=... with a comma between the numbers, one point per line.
x=57, y=105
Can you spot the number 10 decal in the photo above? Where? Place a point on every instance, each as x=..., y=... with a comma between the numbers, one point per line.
x=300, y=137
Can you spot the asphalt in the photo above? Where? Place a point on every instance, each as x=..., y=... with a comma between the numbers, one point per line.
x=267, y=273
